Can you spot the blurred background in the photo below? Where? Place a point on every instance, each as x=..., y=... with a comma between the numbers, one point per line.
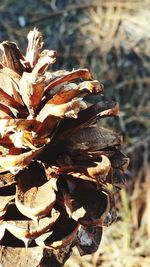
x=111, y=38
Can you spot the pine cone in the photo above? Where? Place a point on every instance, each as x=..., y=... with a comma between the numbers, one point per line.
x=56, y=161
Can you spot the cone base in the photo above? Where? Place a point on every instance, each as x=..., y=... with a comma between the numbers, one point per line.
x=33, y=256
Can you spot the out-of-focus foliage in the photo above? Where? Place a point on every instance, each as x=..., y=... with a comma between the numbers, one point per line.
x=112, y=39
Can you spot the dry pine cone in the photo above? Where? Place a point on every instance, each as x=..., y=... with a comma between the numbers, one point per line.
x=56, y=162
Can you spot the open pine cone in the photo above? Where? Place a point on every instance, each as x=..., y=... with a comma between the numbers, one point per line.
x=56, y=162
